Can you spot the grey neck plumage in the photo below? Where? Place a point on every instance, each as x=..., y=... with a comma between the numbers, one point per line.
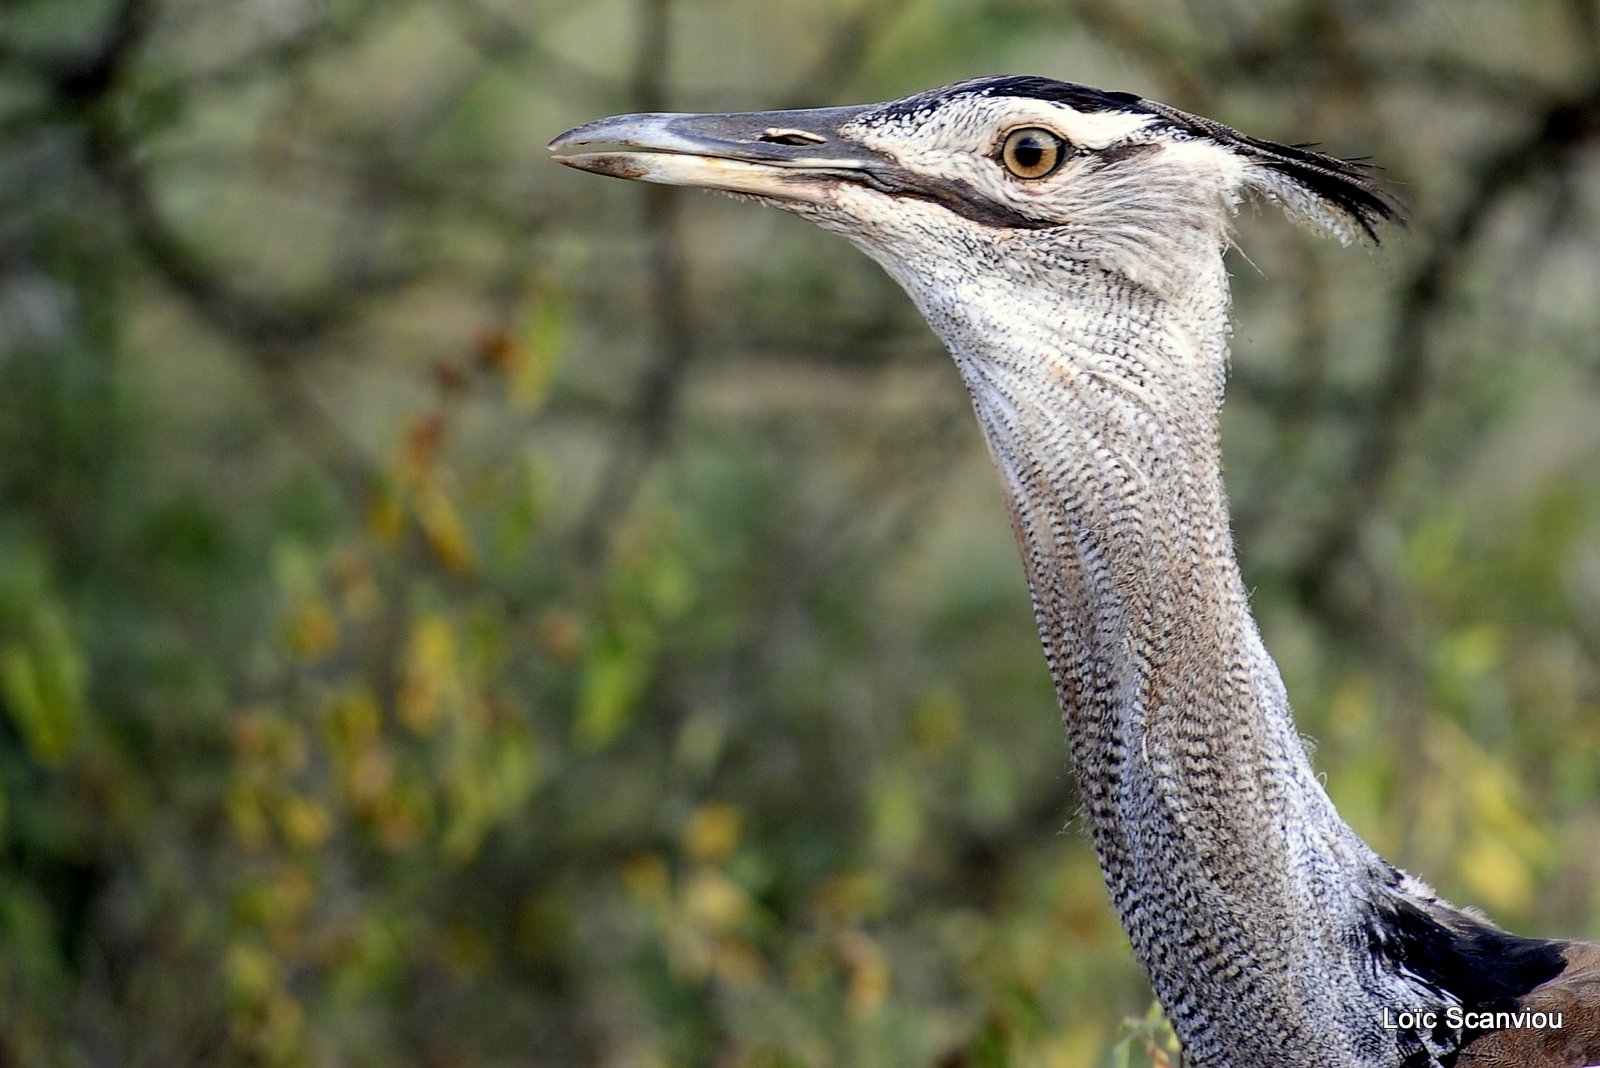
x=1250, y=903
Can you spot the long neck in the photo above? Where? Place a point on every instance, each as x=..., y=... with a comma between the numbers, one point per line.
x=1245, y=894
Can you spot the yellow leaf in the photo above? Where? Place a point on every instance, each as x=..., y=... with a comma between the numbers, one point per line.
x=444, y=529
x=469, y=811
x=1476, y=651
x=613, y=678
x=848, y=895
x=559, y=635
x=543, y=337
x=712, y=831
x=305, y=822
x=896, y=814
x=312, y=630
x=1071, y=1050
x=713, y=900
x=737, y=963
x=868, y=971
x=251, y=971
x=42, y=682
x=937, y=723
x=465, y=949
x=245, y=814
x=423, y=438
x=369, y=776
x=353, y=719
x=646, y=878
x=282, y=904
x=358, y=594
x=277, y=1030
x=431, y=673
x=386, y=518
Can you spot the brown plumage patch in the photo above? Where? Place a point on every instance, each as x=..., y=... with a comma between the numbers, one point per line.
x=1575, y=995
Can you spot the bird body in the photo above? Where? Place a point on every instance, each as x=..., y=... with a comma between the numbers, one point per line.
x=1066, y=245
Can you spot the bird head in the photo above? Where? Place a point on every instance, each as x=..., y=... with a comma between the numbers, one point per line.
x=1028, y=171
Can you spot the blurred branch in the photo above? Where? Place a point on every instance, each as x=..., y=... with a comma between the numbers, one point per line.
x=1121, y=28
x=653, y=409
x=846, y=51
x=291, y=52
x=1448, y=74
x=272, y=337
x=500, y=41
x=1585, y=15
x=1564, y=127
x=1297, y=397
x=228, y=309
x=88, y=73
x=1301, y=55
x=272, y=334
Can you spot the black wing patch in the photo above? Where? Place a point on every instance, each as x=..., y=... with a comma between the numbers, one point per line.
x=1454, y=954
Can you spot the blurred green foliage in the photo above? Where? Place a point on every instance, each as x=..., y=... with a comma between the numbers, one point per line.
x=458, y=612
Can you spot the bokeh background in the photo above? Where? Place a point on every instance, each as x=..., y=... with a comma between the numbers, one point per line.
x=457, y=611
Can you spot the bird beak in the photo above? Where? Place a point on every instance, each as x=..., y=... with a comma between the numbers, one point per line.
x=785, y=155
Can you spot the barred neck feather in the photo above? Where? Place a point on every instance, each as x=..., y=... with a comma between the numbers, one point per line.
x=1272, y=934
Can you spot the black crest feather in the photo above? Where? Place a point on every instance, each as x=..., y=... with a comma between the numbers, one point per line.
x=1341, y=183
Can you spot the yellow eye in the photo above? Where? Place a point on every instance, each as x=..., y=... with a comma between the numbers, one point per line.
x=1032, y=152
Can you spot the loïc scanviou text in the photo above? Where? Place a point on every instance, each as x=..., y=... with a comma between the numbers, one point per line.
x=1457, y=1017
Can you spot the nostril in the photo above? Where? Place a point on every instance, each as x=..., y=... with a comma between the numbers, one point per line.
x=776, y=136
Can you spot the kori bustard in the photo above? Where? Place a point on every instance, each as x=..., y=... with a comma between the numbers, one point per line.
x=1067, y=246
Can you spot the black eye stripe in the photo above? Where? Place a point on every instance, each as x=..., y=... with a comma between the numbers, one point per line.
x=961, y=198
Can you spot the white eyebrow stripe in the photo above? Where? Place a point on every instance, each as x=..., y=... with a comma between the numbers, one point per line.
x=1098, y=129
